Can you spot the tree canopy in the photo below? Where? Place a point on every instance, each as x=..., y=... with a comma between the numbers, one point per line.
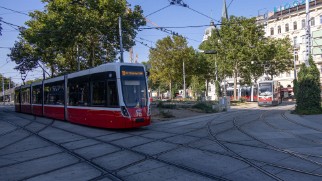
x=86, y=30
x=167, y=61
x=242, y=50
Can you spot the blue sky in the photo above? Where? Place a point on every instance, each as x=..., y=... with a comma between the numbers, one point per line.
x=172, y=16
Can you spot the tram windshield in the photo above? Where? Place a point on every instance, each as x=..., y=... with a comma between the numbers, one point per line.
x=265, y=89
x=134, y=86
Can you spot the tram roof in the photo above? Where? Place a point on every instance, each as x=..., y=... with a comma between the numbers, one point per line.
x=101, y=68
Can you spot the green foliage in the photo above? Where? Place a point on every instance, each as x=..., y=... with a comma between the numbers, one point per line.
x=198, y=85
x=24, y=55
x=166, y=106
x=167, y=62
x=278, y=56
x=84, y=29
x=237, y=43
x=166, y=114
x=308, y=92
x=6, y=83
x=242, y=100
x=242, y=50
x=204, y=106
x=218, y=89
x=295, y=87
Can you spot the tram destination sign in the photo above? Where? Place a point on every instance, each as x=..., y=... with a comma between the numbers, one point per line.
x=132, y=73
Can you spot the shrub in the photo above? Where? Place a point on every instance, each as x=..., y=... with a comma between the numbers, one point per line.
x=242, y=99
x=166, y=114
x=204, y=107
x=307, y=90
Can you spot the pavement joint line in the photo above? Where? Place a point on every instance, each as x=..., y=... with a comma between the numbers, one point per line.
x=140, y=153
x=43, y=173
x=245, y=160
x=194, y=129
x=33, y=159
x=277, y=149
x=24, y=150
x=101, y=169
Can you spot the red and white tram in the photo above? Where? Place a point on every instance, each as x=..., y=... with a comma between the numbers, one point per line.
x=269, y=93
x=248, y=93
x=112, y=95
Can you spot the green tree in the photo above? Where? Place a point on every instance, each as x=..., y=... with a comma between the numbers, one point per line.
x=236, y=42
x=84, y=29
x=278, y=57
x=167, y=61
x=242, y=51
x=6, y=83
x=24, y=55
x=308, y=91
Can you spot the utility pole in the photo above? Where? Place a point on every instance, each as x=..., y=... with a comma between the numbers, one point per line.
x=121, y=37
x=121, y=42
x=78, y=64
x=3, y=89
x=295, y=53
x=307, y=34
x=9, y=89
x=184, y=80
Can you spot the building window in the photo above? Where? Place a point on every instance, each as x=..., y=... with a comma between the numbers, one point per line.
x=295, y=41
x=303, y=23
x=279, y=29
x=320, y=19
x=287, y=27
x=312, y=21
x=295, y=25
x=296, y=57
x=272, y=31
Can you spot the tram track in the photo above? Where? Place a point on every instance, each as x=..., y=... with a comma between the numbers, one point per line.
x=238, y=156
x=280, y=150
x=114, y=172
x=79, y=157
x=156, y=156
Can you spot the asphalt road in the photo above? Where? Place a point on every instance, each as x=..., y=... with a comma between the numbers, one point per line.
x=248, y=143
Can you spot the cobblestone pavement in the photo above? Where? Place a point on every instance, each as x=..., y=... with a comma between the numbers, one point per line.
x=245, y=143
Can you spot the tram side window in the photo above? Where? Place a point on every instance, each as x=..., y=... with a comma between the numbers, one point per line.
x=99, y=93
x=37, y=95
x=54, y=93
x=112, y=97
x=25, y=96
x=78, y=92
x=17, y=96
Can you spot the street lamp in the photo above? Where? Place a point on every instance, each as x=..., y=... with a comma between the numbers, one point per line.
x=295, y=58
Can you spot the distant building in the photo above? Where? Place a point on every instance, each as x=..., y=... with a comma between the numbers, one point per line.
x=208, y=31
x=288, y=21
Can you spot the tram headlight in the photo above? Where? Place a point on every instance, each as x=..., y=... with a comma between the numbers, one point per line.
x=124, y=111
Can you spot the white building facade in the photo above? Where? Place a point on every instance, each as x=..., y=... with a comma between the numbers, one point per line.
x=289, y=21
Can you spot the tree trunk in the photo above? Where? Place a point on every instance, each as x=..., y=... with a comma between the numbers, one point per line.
x=235, y=84
x=170, y=89
x=207, y=87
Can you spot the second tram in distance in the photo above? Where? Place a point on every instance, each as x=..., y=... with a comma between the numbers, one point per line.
x=269, y=93
x=112, y=95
